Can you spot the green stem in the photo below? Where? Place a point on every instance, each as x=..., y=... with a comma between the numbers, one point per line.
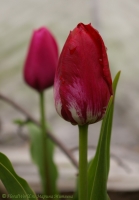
x=46, y=181
x=83, y=144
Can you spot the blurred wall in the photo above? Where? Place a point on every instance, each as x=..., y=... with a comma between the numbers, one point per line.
x=117, y=22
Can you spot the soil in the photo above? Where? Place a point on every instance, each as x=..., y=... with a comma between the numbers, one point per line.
x=124, y=195
x=119, y=195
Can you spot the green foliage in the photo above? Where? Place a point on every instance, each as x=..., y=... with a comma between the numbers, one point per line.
x=36, y=153
x=97, y=172
x=20, y=122
x=99, y=167
x=15, y=185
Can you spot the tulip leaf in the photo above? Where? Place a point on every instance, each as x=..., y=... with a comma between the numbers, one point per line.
x=99, y=167
x=97, y=172
x=21, y=122
x=36, y=153
x=75, y=196
x=110, y=120
x=16, y=186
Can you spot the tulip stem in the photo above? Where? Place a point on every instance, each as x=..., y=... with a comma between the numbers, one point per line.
x=83, y=143
x=45, y=168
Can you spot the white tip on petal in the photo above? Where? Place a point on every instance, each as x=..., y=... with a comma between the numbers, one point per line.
x=92, y=117
x=74, y=114
x=57, y=98
x=58, y=107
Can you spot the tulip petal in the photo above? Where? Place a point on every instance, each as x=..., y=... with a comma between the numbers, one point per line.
x=41, y=61
x=84, y=81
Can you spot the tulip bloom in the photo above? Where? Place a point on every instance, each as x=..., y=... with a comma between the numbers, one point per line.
x=83, y=84
x=41, y=60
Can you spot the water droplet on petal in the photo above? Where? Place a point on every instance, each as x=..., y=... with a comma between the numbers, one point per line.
x=62, y=80
x=72, y=50
x=104, y=110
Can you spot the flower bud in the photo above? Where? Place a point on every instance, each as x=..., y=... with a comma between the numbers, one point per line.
x=83, y=84
x=41, y=60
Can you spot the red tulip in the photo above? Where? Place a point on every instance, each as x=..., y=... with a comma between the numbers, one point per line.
x=42, y=60
x=83, y=84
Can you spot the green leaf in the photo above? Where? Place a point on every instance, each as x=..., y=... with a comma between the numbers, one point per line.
x=75, y=196
x=108, y=198
x=99, y=167
x=15, y=185
x=21, y=122
x=36, y=153
x=97, y=172
x=110, y=120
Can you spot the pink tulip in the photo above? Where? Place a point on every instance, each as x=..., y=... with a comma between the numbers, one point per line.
x=41, y=60
x=83, y=84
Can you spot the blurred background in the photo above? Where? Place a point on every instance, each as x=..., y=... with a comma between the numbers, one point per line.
x=117, y=22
